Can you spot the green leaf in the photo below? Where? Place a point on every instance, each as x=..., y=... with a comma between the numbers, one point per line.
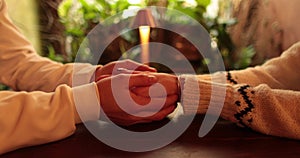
x=84, y=4
x=90, y=16
x=204, y=3
x=3, y=87
x=121, y=5
x=245, y=57
x=53, y=56
x=64, y=8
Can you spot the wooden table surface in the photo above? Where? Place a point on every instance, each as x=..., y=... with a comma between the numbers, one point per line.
x=224, y=140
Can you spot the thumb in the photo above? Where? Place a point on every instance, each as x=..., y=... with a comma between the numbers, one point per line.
x=141, y=80
x=145, y=68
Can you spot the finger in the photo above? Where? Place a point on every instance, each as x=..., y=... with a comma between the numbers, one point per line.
x=153, y=104
x=140, y=80
x=106, y=69
x=98, y=72
x=159, y=92
x=126, y=71
x=169, y=101
x=102, y=77
x=142, y=91
x=145, y=68
x=132, y=65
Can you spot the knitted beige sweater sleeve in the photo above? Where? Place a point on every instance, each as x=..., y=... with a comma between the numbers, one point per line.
x=264, y=98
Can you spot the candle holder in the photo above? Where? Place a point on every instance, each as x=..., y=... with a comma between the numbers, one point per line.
x=144, y=20
x=143, y=17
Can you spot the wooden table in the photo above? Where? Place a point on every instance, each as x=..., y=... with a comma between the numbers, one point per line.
x=225, y=140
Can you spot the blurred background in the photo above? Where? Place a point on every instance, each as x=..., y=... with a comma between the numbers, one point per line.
x=247, y=33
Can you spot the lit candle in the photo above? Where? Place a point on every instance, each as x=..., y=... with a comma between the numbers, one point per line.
x=144, y=36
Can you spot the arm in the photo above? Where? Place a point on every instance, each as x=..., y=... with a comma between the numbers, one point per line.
x=279, y=73
x=269, y=111
x=32, y=118
x=20, y=64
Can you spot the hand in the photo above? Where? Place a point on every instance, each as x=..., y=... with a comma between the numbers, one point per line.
x=112, y=68
x=111, y=98
x=170, y=83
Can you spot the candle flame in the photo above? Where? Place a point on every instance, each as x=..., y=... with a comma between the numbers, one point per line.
x=144, y=35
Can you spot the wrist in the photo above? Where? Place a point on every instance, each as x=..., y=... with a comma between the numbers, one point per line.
x=87, y=103
x=189, y=93
x=180, y=83
x=198, y=95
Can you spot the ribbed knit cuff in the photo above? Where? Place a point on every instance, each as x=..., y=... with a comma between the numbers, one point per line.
x=200, y=95
x=217, y=77
x=189, y=93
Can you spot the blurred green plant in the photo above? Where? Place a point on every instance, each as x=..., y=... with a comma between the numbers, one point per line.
x=3, y=87
x=244, y=57
x=196, y=10
x=53, y=56
x=80, y=16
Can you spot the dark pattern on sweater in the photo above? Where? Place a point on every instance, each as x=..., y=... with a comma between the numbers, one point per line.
x=230, y=79
x=249, y=107
x=238, y=103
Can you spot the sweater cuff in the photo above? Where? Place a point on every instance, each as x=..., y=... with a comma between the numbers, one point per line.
x=204, y=96
x=87, y=102
x=189, y=93
x=83, y=74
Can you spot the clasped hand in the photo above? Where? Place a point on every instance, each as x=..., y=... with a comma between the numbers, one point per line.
x=124, y=88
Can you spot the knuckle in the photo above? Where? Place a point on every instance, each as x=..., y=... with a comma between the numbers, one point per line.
x=121, y=76
x=127, y=61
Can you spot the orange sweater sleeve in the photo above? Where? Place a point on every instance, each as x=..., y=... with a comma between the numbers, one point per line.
x=21, y=68
x=30, y=117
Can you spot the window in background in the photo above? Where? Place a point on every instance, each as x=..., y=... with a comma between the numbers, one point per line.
x=24, y=15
